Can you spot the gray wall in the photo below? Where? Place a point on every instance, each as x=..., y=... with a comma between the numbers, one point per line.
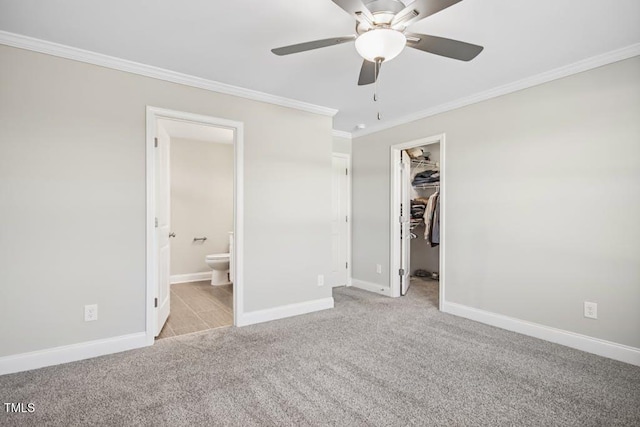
x=543, y=202
x=72, y=198
x=201, y=202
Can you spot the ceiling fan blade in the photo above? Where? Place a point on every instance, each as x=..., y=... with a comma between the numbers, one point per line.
x=444, y=47
x=356, y=9
x=420, y=9
x=369, y=72
x=316, y=44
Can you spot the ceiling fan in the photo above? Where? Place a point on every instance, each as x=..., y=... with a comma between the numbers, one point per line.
x=381, y=34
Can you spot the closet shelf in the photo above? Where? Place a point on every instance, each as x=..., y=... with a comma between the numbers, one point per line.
x=420, y=163
x=427, y=186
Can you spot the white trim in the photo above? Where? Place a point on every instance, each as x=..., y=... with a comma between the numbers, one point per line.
x=341, y=134
x=192, y=277
x=394, y=262
x=349, y=214
x=442, y=271
x=150, y=260
x=283, y=311
x=153, y=114
x=70, y=353
x=547, y=76
x=76, y=54
x=586, y=343
x=371, y=287
x=64, y=51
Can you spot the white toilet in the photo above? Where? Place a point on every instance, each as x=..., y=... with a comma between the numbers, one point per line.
x=219, y=264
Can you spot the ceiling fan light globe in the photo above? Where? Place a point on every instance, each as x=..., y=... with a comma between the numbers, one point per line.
x=382, y=43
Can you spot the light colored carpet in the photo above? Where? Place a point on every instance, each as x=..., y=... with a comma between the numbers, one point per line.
x=370, y=361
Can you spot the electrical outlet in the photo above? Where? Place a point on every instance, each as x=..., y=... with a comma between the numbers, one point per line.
x=320, y=279
x=378, y=268
x=90, y=312
x=591, y=310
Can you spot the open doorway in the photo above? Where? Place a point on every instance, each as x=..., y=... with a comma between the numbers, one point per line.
x=200, y=225
x=194, y=234
x=417, y=218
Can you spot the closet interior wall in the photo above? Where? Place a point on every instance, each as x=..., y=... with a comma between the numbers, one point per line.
x=423, y=256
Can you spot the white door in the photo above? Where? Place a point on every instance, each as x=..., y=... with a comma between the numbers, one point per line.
x=162, y=227
x=405, y=221
x=339, y=221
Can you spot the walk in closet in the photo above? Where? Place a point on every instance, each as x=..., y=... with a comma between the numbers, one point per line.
x=425, y=211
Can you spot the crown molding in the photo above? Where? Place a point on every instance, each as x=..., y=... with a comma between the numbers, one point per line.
x=68, y=52
x=547, y=76
x=341, y=134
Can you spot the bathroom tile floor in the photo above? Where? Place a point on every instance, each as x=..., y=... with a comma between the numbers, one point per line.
x=198, y=306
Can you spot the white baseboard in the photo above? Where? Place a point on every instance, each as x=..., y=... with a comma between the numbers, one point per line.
x=371, y=287
x=283, y=311
x=192, y=277
x=586, y=343
x=70, y=353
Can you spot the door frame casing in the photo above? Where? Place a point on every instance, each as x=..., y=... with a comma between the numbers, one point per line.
x=394, y=262
x=404, y=174
x=163, y=307
x=153, y=114
x=350, y=220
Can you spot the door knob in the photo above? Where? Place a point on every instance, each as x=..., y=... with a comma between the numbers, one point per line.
x=172, y=234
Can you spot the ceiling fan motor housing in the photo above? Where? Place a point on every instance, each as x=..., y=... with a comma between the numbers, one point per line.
x=383, y=12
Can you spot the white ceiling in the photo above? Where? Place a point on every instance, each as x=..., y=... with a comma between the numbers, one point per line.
x=230, y=42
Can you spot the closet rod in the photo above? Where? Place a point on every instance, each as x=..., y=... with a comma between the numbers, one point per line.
x=425, y=186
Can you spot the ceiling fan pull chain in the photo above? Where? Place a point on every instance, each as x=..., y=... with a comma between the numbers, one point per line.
x=375, y=82
x=375, y=86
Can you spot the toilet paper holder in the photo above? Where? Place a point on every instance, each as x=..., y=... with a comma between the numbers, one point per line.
x=199, y=239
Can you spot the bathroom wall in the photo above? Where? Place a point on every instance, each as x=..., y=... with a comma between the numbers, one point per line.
x=423, y=256
x=201, y=202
